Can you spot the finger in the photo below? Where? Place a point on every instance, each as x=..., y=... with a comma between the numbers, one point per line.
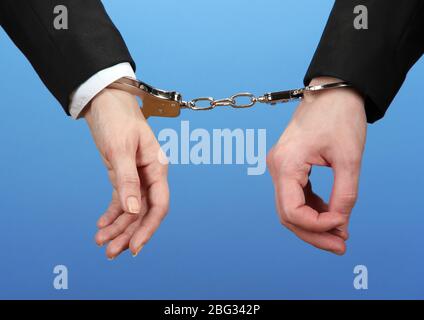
x=292, y=204
x=112, y=231
x=158, y=196
x=344, y=193
x=127, y=182
x=112, y=212
x=313, y=200
x=341, y=232
x=111, y=215
x=325, y=241
x=345, y=188
x=121, y=242
x=143, y=211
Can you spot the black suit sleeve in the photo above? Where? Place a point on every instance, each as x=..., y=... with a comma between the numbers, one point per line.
x=374, y=60
x=64, y=59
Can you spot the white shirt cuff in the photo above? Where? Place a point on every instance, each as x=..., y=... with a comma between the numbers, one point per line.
x=90, y=88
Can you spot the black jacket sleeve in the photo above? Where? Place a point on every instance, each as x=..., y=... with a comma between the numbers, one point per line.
x=64, y=58
x=374, y=60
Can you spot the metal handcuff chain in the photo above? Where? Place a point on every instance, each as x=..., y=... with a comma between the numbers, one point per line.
x=161, y=103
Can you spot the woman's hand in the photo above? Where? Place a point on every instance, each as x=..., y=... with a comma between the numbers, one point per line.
x=133, y=159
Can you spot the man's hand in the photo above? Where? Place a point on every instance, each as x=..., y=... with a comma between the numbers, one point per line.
x=131, y=154
x=327, y=129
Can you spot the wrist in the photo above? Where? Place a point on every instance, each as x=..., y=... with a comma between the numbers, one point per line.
x=112, y=102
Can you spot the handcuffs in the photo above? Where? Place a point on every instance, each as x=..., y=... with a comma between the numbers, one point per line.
x=160, y=103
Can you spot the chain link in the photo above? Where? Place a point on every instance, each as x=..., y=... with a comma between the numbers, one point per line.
x=233, y=101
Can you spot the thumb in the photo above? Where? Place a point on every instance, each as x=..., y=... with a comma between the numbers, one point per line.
x=127, y=182
x=345, y=188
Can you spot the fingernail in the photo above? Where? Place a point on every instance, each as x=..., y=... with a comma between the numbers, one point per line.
x=110, y=259
x=100, y=222
x=137, y=252
x=339, y=252
x=133, y=205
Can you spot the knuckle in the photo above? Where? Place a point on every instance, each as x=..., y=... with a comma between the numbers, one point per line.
x=290, y=219
x=270, y=159
x=127, y=234
x=114, y=204
x=119, y=147
x=117, y=225
x=110, y=151
x=156, y=171
x=162, y=210
x=287, y=161
x=352, y=162
x=114, y=228
x=289, y=168
x=349, y=199
x=114, y=150
x=285, y=219
x=279, y=160
x=128, y=180
x=275, y=156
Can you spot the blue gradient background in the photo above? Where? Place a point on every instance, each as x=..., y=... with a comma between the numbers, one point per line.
x=222, y=238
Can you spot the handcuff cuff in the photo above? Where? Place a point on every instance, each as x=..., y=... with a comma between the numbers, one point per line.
x=161, y=103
